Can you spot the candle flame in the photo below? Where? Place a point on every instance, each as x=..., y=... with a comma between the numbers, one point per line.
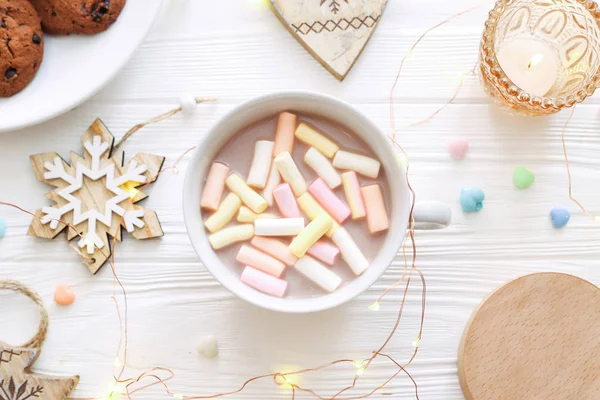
x=535, y=60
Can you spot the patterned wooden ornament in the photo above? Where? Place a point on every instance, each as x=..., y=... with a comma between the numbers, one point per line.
x=97, y=194
x=335, y=32
x=17, y=382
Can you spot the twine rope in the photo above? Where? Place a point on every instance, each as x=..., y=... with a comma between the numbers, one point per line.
x=38, y=339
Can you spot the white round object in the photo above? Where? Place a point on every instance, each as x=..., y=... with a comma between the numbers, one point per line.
x=208, y=346
x=313, y=104
x=188, y=104
x=76, y=67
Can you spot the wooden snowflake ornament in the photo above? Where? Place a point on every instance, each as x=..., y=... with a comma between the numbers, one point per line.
x=97, y=194
x=17, y=382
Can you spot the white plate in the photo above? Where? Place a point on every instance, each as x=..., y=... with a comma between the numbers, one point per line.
x=77, y=67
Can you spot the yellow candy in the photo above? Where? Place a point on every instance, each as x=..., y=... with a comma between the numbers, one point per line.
x=224, y=213
x=309, y=235
x=311, y=137
x=246, y=216
x=249, y=197
x=312, y=209
x=229, y=236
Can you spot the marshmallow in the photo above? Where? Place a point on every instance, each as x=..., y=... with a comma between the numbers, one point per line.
x=246, y=216
x=322, y=166
x=229, y=236
x=309, y=235
x=273, y=180
x=286, y=202
x=350, y=251
x=377, y=218
x=275, y=248
x=264, y=282
x=259, y=260
x=318, y=273
x=311, y=137
x=290, y=173
x=330, y=202
x=278, y=227
x=355, y=162
x=224, y=213
x=249, y=197
x=323, y=252
x=353, y=195
x=213, y=188
x=261, y=164
x=312, y=209
x=284, y=135
x=188, y=104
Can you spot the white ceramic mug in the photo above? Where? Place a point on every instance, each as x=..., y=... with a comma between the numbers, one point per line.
x=431, y=215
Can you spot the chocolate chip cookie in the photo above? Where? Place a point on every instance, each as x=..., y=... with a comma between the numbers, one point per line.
x=63, y=17
x=21, y=45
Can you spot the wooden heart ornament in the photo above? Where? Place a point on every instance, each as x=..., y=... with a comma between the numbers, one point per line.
x=335, y=32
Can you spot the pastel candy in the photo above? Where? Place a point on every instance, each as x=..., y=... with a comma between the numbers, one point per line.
x=284, y=135
x=272, y=182
x=471, y=199
x=286, y=201
x=458, y=149
x=275, y=248
x=264, y=282
x=261, y=164
x=311, y=137
x=377, y=218
x=290, y=173
x=355, y=162
x=249, y=197
x=330, y=202
x=228, y=236
x=247, y=216
x=208, y=347
x=318, y=273
x=64, y=295
x=310, y=234
x=213, y=188
x=353, y=195
x=560, y=217
x=259, y=260
x=188, y=104
x=313, y=209
x=323, y=167
x=224, y=213
x=523, y=178
x=278, y=227
x=324, y=252
x=351, y=253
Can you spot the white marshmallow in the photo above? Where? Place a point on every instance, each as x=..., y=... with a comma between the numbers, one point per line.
x=188, y=104
x=259, y=170
x=278, y=227
x=318, y=273
x=322, y=166
x=290, y=173
x=273, y=180
x=350, y=251
x=361, y=164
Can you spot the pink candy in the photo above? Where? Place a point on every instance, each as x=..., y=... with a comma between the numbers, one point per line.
x=257, y=259
x=458, y=149
x=275, y=248
x=377, y=218
x=324, y=252
x=329, y=201
x=264, y=282
x=286, y=201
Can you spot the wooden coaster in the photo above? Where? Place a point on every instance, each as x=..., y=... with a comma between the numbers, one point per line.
x=538, y=337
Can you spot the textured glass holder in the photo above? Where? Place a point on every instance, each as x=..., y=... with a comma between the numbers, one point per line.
x=548, y=46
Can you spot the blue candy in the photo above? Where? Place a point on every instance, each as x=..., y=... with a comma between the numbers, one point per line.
x=471, y=199
x=2, y=228
x=560, y=217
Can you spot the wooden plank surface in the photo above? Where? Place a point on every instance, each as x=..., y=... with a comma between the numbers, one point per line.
x=235, y=50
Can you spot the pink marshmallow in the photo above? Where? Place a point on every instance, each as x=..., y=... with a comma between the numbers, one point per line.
x=353, y=195
x=213, y=188
x=275, y=248
x=286, y=201
x=264, y=282
x=257, y=259
x=329, y=201
x=324, y=252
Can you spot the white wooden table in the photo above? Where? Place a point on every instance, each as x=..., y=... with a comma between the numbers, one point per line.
x=235, y=50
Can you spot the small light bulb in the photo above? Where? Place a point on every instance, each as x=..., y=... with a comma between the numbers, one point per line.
x=597, y=219
x=360, y=371
x=461, y=76
x=374, y=306
x=416, y=342
x=133, y=192
x=411, y=55
x=117, y=362
x=178, y=396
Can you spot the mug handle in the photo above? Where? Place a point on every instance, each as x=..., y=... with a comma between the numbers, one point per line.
x=430, y=215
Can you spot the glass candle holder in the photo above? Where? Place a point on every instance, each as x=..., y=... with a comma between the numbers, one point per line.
x=540, y=56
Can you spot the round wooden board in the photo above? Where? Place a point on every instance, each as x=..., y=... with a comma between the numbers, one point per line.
x=538, y=337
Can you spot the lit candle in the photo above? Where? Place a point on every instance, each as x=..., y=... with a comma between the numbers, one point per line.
x=530, y=64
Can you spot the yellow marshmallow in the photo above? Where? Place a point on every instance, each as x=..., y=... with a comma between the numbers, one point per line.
x=312, y=209
x=310, y=234
x=249, y=197
x=311, y=137
x=246, y=216
x=224, y=213
x=229, y=236
x=290, y=173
